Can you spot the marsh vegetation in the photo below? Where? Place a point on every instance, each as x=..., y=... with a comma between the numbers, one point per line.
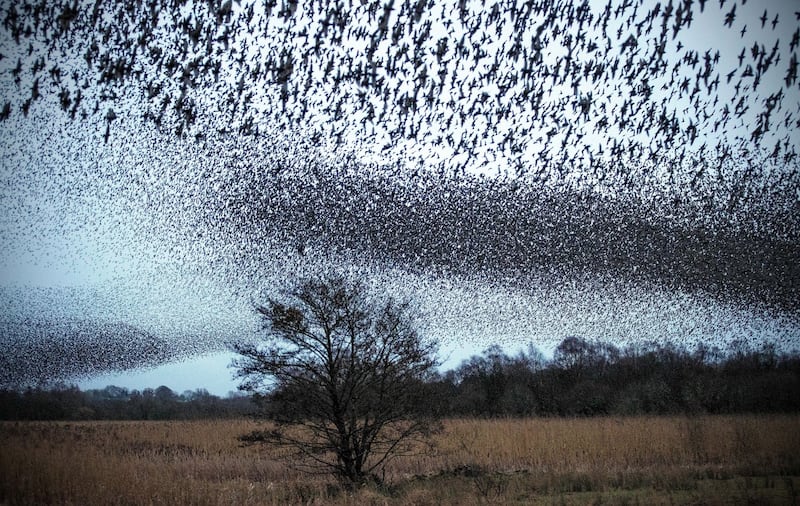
x=732, y=459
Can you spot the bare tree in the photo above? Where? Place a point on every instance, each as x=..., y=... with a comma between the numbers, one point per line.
x=342, y=376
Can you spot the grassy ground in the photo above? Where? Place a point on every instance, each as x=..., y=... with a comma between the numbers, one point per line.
x=641, y=460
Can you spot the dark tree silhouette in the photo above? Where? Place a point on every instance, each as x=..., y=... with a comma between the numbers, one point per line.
x=342, y=376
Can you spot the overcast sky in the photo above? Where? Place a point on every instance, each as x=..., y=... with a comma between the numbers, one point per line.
x=117, y=233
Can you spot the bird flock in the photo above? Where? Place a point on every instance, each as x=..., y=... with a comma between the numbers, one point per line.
x=621, y=169
x=526, y=88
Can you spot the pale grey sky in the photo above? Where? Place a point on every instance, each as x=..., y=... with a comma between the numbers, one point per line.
x=120, y=226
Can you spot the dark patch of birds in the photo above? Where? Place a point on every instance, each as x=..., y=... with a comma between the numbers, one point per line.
x=502, y=229
x=40, y=353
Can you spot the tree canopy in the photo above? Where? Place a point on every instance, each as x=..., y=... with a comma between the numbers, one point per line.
x=342, y=373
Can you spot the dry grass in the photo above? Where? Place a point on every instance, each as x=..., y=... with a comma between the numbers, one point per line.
x=642, y=460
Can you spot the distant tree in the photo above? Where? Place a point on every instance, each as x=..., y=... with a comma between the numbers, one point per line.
x=574, y=354
x=342, y=375
x=482, y=383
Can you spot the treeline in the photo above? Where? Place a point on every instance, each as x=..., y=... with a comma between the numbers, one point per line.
x=588, y=378
x=115, y=403
x=583, y=378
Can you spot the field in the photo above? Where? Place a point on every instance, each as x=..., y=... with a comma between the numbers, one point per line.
x=641, y=460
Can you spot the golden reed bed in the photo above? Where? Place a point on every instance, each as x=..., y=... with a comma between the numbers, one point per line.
x=639, y=460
